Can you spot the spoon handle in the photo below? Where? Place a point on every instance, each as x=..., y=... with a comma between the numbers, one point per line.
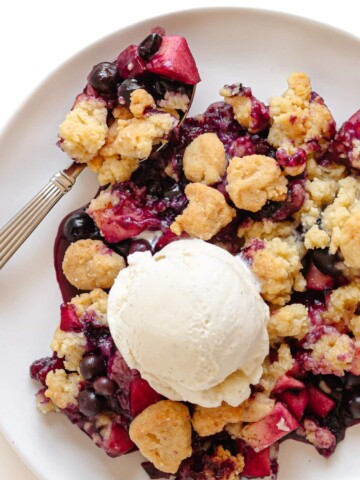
x=18, y=229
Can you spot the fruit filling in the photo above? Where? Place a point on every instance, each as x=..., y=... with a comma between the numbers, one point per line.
x=276, y=186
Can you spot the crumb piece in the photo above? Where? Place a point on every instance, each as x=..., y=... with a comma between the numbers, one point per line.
x=335, y=216
x=265, y=229
x=90, y=264
x=63, y=388
x=175, y=101
x=84, y=129
x=253, y=180
x=275, y=370
x=116, y=169
x=44, y=404
x=289, y=321
x=140, y=100
x=316, y=238
x=206, y=214
x=71, y=346
x=321, y=437
x=94, y=302
x=122, y=112
x=349, y=241
x=208, y=421
x=331, y=171
x=222, y=465
x=278, y=268
x=342, y=308
x=331, y=354
x=322, y=192
x=135, y=137
x=162, y=432
x=248, y=110
x=204, y=159
x=300, y=118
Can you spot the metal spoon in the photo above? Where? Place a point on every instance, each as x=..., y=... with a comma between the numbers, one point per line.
x=20, y=227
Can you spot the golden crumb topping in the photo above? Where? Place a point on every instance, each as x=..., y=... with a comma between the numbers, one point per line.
x=63, y=388
x=253, y=180
x=113, y=169
x=278, y=268
x=349, y=241
x=208, y=421
x=135, y=137
x=84, y=130
x=289, y=321
x=90, y=264
x=206, y=214
x=276, y=369
x=162, y=432
x=204, y=159
x=94, y=301
x=70, y=346
x=298, y=119
x=140, y=100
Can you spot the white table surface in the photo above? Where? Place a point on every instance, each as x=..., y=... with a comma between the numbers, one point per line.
x=36, y=36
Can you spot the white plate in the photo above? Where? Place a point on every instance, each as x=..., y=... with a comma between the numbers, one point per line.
x=255, y=47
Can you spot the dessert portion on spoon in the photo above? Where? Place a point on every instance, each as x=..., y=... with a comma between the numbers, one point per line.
x=126, y=111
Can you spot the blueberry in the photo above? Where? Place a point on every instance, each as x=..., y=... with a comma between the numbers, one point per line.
x=92, y=366
x=326, y=262
x=149, y=46
x=173, y=191
x=139, y=246
x=89, y=403
x=353, y=406
x=126, y=88
x=79, y=226
x=105, y=386
x=357, y=309
x=104, y=77
x=352, y=381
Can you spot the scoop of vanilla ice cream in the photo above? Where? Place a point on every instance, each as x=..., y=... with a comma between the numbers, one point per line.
x=192, y=321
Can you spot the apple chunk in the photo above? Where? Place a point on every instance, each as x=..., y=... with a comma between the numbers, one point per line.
x=260, y=435
x=174, y=60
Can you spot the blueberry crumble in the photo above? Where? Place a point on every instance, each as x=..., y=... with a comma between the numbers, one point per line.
x=266, y=194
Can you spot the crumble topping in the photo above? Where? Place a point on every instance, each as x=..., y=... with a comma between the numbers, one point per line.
x=63, y=388
x=71, y=346
x=206, y=214
x=349, y=241
x=113, y=169
x=299, y=118
x=289, y=321
x=278, y=268
x=140, y=100
x=221, y=462
x=253, y=180
x=135, y=137
x=94, y=302
x=208, y=421
x=162, y=432
x=248, y=110
x=84, y=129
x=265, y=229
x=90, y=264
x=316, y=238
x=204, y=159
x=175, y=101
x=332, y=353
x=44, y=404
x=276, y=369
x=336, y=215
